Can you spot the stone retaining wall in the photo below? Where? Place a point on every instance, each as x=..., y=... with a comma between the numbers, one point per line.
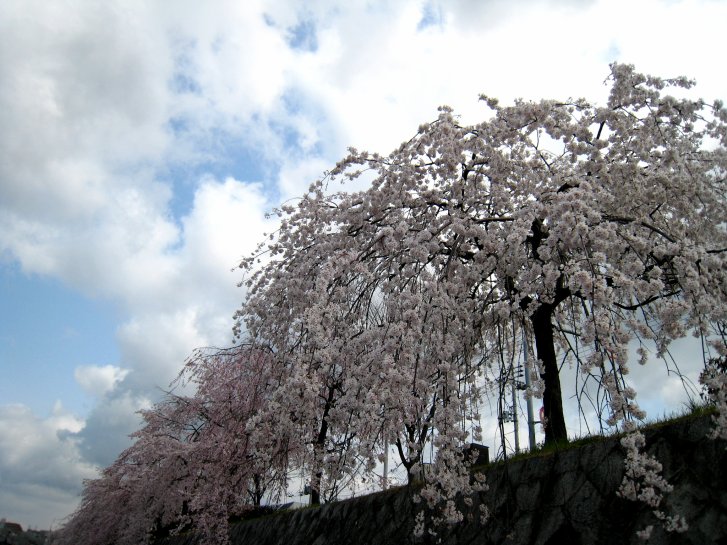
x=567, y=497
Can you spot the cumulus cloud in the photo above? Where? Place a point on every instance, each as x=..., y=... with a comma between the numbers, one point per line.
x=98, y=380
x=74, y=73
x=225, y=224
x=156, y=344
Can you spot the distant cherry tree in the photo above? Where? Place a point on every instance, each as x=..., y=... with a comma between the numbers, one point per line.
x=141, y=492
x=199, y=459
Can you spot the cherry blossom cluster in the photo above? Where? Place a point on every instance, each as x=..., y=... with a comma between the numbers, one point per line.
x=714, y=379
x=643, y=482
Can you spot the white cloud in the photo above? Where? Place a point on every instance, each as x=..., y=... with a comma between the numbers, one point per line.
x=225, y=224
x=83, y=97
x=235, y=58
x=156, y=345
x=99, y=380
x=379, y=76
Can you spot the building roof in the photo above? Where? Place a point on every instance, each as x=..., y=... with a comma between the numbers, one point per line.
x=12, y=526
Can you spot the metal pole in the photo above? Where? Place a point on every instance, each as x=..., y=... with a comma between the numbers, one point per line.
x=385, y=478
x=514, y=413
x=528, y=399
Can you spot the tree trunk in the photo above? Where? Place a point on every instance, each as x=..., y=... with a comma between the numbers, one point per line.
x=318, y=447
x=258, y=491
x=555, y=430
x=315, y=489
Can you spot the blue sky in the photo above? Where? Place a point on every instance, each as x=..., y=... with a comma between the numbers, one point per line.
x=142, y=143
x=46, y=331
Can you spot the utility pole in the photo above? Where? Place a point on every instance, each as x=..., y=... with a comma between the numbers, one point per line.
x=514, y=413
x=528, y=399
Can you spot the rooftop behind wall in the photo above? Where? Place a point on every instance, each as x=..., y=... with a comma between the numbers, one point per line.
x=567, y=496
